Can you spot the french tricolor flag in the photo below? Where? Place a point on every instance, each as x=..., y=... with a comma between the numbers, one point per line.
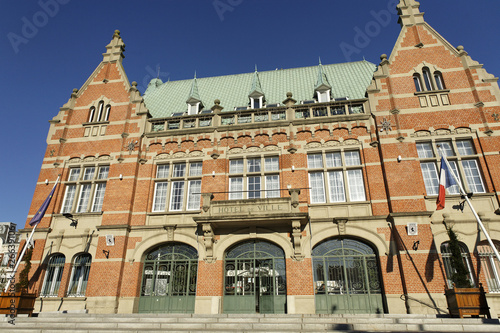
x=445, y=180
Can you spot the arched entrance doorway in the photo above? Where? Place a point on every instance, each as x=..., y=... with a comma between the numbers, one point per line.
x=169, y=279
x=346, y=277
x=255, y=278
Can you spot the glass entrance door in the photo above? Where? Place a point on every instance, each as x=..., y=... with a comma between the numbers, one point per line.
x=255, y=278
x=169, y=280
x=346, y=278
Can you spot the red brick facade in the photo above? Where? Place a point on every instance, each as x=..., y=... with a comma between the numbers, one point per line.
x=397, y=118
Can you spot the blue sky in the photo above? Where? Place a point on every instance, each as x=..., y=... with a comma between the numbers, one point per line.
x=49, y=47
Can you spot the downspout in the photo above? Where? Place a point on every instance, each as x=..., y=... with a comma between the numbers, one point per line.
x=392, y=223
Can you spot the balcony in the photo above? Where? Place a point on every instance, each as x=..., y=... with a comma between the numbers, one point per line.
x=258, y=118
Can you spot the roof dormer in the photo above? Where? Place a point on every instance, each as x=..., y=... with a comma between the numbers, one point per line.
x=256, y=94
x=322, y=89
x=194, y=100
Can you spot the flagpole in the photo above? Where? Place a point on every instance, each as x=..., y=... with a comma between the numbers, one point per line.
x=20, y=258
x=462, y=191
x=28, y=241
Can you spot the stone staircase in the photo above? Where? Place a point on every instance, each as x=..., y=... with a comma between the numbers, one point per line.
x=254, y=323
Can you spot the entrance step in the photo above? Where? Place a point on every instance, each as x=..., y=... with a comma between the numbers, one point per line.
x=251, y=323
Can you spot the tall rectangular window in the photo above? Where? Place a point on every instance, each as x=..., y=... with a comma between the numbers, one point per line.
x=79, y=275
x=172, y=187
x=463, y=162
x=53, y=276
x=272, y=186
x=317, y=185
x=343, y=173
x=490, y=266
x=177, y=195
x=85, y=190
x=194, y=195
x=235, y=188
x=253, y=178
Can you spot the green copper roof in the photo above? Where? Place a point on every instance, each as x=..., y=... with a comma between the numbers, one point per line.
x=347, y=80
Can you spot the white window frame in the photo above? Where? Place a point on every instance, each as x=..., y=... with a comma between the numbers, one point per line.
x=490, y=266
x=53, y=276
x=461, y=155
x=81, y=279
x=193, y=108
x=323, y=96
x=464, y=251
x=244, y=173
x=342, y=176
x=177, y=186
x=85, y=190
x=257, y=102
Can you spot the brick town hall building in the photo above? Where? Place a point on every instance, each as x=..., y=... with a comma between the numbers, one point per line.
x=303, y=190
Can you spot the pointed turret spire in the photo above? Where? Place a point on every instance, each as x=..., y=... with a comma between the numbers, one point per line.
x=194, y=95
x=115, y=49
x=256, y=89
x=322, y=81
x=409, y=13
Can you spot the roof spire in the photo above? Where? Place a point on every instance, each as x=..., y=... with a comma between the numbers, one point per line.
x=322, y=81
x=115, y=49
x=256, y=89
x=194, y=95
x=409, y=13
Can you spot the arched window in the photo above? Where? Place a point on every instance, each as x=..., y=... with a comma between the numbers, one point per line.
x=254, y=278
x=106, y=114
x=491, y=266
x=53, y=275
x=417, y=80
x=99, y=112
x=79, y=275
x=347, y=277
x=91, y=114
x=446, y=254
x=169, y=279
x=427, y=78
x=438, y=78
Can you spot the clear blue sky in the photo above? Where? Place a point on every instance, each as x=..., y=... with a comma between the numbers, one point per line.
x=47, y=50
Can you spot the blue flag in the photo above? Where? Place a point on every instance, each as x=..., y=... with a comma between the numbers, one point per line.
x=41, y=211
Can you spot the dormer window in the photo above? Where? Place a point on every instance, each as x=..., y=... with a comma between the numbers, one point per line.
x=323, y=96
x=193, y=108
x=256, y=102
